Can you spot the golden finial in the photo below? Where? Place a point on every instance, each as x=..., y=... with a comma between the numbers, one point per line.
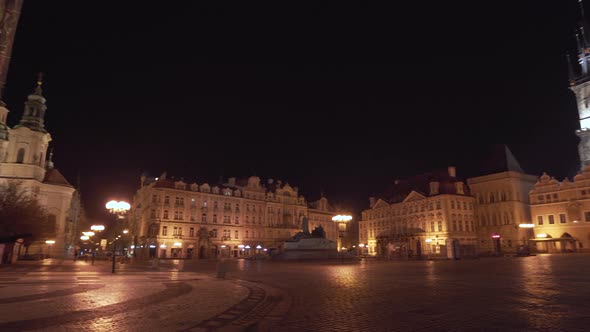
x=40, y=79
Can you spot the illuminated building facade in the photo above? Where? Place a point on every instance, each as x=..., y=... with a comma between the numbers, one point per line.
x=502, y=206
x=24, y=164
x=561, y=213
x=428, y=215
x=236, y=219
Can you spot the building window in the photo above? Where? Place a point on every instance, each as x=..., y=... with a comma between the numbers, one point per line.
x=192, y=215
x=153, y=213
x=587, y=216
x=226, y=220
x=540, y=220
x=175, y=215
x=458, y=205
x=237, y=220
x=193, y=202
x=440, y=226
x=562, y=218
x=164, y=230
x=551, y=219
x=247, y=219
x=236, y=235
x=246, y=234
x=438, y=205
x=154, y=198
x=227, y=233
x=165, y=214
x=454, y=225
x=20, y=157
x=464, y=205
x=204, y=204
x=432, y=226
x=214, y=232
x=166, y=199
x=204, y=217
x=215, y=219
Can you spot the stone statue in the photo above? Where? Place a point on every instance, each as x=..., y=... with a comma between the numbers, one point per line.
x=305, y=225
x=319, y=232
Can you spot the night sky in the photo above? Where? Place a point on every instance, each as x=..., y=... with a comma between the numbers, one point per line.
x=341, y=99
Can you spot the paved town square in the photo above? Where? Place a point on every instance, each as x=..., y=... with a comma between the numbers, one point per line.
x=536, y=293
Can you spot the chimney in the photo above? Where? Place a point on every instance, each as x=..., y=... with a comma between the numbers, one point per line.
x=269, y=181
x=452, y=171
x=459, y=188
x=434, y=187
x=231, y=181
x=371, y=201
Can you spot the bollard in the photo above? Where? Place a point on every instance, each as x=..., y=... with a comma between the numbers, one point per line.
x=220, y=270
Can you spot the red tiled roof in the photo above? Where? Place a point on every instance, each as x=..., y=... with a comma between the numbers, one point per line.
x=53, y=176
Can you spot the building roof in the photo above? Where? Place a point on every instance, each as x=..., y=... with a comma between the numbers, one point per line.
x=53, y=176
x=421, y=184
x=500, y=159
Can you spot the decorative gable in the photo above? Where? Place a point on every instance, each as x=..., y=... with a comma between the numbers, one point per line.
x=414, y=196
x=380, y=203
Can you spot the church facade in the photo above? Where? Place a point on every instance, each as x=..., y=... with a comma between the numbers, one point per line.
x=24, y=164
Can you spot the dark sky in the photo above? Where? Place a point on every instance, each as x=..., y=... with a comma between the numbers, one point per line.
x=339, y=98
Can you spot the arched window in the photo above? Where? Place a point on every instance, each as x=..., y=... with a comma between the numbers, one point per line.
x=20, y=156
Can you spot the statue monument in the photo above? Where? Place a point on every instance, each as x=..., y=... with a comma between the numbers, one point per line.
x=306, y=245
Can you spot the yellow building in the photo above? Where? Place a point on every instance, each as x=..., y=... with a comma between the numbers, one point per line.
x=429, y=215
x=239, y=218
x=561, y=213
x=502, y=210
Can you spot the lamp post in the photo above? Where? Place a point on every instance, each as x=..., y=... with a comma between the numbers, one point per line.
x=119, y=209
x=49, y=243
x=341, y=220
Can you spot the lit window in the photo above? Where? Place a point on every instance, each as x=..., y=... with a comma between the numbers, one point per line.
x=164, y=230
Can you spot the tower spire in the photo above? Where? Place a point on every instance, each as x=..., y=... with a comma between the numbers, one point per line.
x=34, y=114
x=570, y=70
x=38, y=90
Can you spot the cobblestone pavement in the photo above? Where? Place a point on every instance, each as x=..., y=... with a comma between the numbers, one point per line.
x=537, y=293
x=79, y=296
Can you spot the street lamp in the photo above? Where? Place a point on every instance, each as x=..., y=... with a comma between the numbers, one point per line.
x=341, y=220
x=49, y=243
x=119, y=209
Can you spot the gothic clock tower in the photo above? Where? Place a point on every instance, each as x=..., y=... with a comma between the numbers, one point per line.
x=580, y=85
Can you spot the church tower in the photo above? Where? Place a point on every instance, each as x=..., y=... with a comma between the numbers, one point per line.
x=580, y=85
x=27, y=147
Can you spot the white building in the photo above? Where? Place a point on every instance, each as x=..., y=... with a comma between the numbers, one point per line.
x=24, y=163
x=429, y=215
